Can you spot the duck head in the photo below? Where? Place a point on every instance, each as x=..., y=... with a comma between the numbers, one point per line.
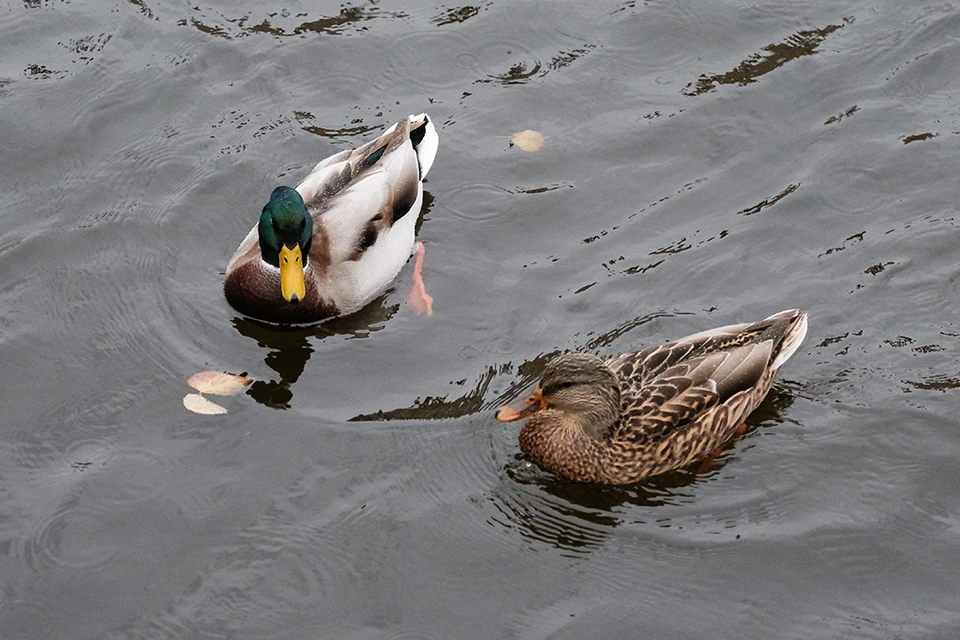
x=578, y=385
x=286, y=230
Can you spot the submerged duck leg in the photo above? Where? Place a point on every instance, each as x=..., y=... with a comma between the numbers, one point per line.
x=707, y=464
x=422, y=301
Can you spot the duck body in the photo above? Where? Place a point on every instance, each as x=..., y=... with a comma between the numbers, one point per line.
x=339, y=238
x=641, y=414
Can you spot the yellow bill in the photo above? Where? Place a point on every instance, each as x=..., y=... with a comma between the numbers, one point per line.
x=291, y=274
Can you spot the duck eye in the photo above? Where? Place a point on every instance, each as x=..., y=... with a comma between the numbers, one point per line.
x=564, y=385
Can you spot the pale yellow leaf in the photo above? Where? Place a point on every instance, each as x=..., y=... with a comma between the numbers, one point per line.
x=221, y=384
x=528, y=140
x=198, y=404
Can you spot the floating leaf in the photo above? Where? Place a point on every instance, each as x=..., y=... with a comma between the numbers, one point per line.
x=528, y=140
x=198, y=404
x=221, y=384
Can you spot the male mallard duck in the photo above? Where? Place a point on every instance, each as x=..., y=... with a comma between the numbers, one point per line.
x=662, y=408
x=339, y=239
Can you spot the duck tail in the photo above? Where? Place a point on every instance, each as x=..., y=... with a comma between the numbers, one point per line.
x=425, y=141
x=792, y=324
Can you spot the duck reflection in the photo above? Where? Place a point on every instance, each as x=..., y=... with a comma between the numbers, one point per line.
x=472, y=402
x=290, y=347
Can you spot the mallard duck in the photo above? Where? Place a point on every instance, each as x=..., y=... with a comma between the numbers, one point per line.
x=336, y=241
x=665, y=407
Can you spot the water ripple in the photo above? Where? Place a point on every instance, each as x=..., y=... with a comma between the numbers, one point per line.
x=478, y=202
x=26, y=619
x=117, y=476
x=507, y=62
x=433, y=75
x=274, y=572
x=853, y=188
x=78, y=538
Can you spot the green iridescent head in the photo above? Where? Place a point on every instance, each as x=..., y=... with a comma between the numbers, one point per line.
x=286, y=230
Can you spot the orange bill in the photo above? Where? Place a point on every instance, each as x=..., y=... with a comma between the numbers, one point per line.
x=291, y=274
x=528, y=406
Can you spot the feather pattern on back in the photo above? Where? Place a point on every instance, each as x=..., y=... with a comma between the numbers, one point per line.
x=678, y=402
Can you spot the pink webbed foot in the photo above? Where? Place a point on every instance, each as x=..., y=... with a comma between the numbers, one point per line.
x=421, y=301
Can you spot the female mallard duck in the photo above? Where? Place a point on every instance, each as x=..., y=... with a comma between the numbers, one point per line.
x=339, y=239
x=644, y=413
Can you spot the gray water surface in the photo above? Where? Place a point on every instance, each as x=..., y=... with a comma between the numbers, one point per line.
x=703, y=164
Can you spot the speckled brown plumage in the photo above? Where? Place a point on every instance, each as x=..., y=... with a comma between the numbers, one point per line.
x=662, y=408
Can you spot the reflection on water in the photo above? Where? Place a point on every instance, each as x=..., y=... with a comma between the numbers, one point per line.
x=288, y=355
x=919, y=137
x=437, y=408
x=525, y=376
x=802, y=43
x=354, y=131
x=518, y=73
x=455, y=15
x=607, y=338
x=521, y=72
x=936, y=382
x=289, y=347
x=769, y=202
x=214, y=23
x=471, y=402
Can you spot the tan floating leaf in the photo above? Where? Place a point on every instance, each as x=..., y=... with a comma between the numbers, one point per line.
x=198, y=404
x=221, y=384
x=528, y=140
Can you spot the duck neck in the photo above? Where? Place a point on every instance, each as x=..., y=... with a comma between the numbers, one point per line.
x=567, y=443
x=595, y=423
x=557, y=429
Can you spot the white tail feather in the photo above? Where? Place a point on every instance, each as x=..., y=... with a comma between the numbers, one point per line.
x=427, y=149
x=793, y=339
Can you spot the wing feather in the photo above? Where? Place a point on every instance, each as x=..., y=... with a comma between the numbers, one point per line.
x=677, y=396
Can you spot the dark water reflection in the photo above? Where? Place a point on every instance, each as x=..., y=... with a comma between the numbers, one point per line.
x=280, y=24
x=521, y=378
x=289, y=347
x=703, y=163
x=799, y=44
